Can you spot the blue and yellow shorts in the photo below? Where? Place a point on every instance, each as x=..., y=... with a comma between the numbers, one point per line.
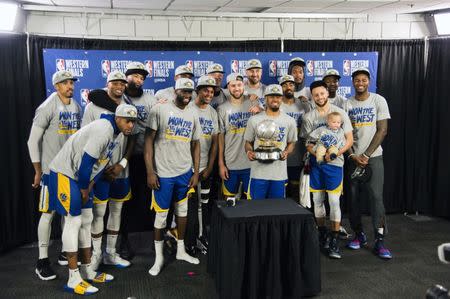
x=117, y=190
x=65, y=195
x=325, y=177
x=177, y=186
x=262, y=189
x=44, y=199
x=231, y=186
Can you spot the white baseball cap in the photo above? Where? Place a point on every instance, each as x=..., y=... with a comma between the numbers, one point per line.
x=61, y=76
x=127, y=111
x=116, y=76
x=184, y=83
x=183, y=69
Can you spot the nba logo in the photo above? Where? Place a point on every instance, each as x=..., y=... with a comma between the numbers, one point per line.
x=272, y=68
x=60, y=64
x=310, y=67
x=346, y=67
x=190, y=64
x=149, y=67
x=234, y=66
x=106, y=68
x=84, y=96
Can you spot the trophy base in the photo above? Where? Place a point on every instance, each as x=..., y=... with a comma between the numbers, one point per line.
x=267, y=155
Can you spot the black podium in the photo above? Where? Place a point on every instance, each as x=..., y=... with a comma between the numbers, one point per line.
x=264, y=249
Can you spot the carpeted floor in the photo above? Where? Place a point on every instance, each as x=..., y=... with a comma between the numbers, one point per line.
x=359, y=274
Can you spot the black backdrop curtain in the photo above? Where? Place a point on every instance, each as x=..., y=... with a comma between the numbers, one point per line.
x=17, y=205
x=400, y=80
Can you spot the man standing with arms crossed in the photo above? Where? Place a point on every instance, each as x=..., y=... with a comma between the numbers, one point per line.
x=56, y=119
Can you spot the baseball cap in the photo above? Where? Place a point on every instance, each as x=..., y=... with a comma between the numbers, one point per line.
x=127, y=111
x=331, y=72
x=116, y=76
x=253, y=64
x=273, y=89
x=234, y=76
x=183, y=69
x=205, y=81
x=362, y=70
x=184, y=83
x=215, y=68
x=61, y=76
x=286, y=78
x=136, y=67
x=295, y=61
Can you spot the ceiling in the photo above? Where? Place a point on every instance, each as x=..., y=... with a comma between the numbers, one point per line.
x=250, y=6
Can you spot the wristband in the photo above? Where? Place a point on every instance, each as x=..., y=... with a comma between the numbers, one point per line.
x=349, y=156
x=366, y=156
x=123, y=163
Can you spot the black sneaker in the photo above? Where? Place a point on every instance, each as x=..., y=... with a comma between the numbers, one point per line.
x=202, y=244
x=323, y=238
x=44, y=271
x=126, y=251
x=62, y=259
x=333, y=250
x=343, y=234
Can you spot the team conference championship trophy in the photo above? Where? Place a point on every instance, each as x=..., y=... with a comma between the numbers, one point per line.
x=267, y=133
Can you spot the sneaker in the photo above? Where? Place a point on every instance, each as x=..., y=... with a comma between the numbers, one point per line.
x=115, y=260
x=343, y=234
x=334, y=251
x=126, y=251
x=96, y=260
x=323, y=238
x=44, y=271
x=380, y=250
x=62, y=259
x=359, y=240
x=202, y=244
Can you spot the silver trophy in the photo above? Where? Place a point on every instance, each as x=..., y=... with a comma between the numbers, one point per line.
x=267, y=133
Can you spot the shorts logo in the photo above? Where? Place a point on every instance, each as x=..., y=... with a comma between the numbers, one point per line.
x=63, y=196
x=106, y=68
x=60, y=64
x=272, y=68
x=149, y=67
x=84, y=96
x=234, y=66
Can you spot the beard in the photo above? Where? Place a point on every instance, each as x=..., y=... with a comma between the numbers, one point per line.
x=274, y=109
x=133, y=90
x=326, y=102
x=289, y=95
x=180, y=100
x=232, y=95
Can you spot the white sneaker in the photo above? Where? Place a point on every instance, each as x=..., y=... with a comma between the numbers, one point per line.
x=115, y=260
x=96, y=260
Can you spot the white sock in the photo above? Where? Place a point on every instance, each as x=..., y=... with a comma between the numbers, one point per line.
x=44, y=232
x=182, y=254
x=97, y=245
x=159, y=258
x=87, y=272
x=111, y=241
x=380, y=230
x=74, y=277
x=174, y=222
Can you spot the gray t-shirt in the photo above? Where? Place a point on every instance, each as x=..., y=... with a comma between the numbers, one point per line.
x=364, y=116
x=93, y=112
x=169, y=94
x=329, y=137
x=258, y=91
x=96, y=139
x=175, y=129
x=312, y=120
x=59, y=122
x=276, y=170
x=219, y=99
x=232, y=123
x=143, y=105
x=210, y=126
x=296, y=111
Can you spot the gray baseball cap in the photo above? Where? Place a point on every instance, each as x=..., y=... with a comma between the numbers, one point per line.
x=273, y=90
x=234, y=76
x=205, y=81
x=331, y=72
x=136, y=67
x=362, y=70
x=215, y=68
x=184, y=83
x=253, y=64
x=286, y=78
x=183, y=69
x=116, y=76
x=61, y=76
x=127, y=111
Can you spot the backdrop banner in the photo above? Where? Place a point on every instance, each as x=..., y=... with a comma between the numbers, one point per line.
x=93, y=66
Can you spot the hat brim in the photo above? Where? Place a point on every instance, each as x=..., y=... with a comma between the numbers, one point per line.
x=337, y=76
x=222, y=72
x=273, y=94
x=356, y=73
x=125, y=81
x=296, y=62
x=205, y=85
x=253, y=67
x=73, y=79
x=144, y=73
x=183, y=73
x=287, y=82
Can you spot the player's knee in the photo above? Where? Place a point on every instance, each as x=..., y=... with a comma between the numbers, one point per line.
x=160, y=220
x=115, y=210
x=181, y=209
x=70, y=234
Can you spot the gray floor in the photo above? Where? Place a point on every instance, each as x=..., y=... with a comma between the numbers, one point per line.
x=359, y=274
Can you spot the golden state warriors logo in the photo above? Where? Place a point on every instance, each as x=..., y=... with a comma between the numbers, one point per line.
x=63, y=196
